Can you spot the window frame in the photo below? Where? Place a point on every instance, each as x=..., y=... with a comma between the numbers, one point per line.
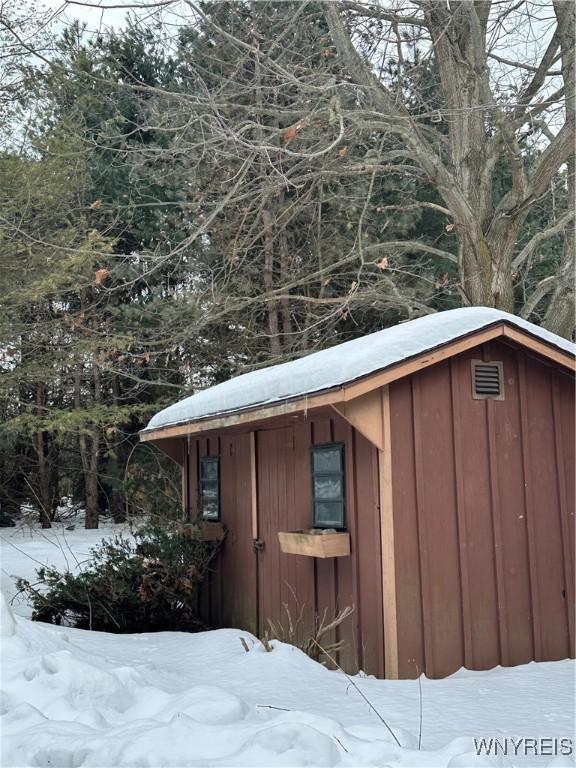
x=201, y=485
x=341, y=474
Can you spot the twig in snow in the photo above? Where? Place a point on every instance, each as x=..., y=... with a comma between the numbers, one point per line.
x=244, y=644
x=269, y=706
x=361, y=693
x=340, y=743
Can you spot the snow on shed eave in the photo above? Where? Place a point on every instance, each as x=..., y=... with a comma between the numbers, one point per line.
x=293, y=404
x=344, y=365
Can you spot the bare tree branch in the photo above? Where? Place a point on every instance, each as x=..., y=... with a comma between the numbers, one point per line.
x=541, y=237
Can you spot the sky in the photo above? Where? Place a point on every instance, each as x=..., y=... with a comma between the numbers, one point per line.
x=95, y=18
x=521, y=36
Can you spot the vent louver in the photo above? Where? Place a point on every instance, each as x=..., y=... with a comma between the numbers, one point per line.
x=487, y=381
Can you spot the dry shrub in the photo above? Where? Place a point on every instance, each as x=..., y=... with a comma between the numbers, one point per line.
x=295, y=632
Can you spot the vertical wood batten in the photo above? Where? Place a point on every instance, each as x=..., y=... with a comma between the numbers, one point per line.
x=461, y=516
x=184, y=479
x=529, y=504
x=497, y=536
x=429, y=660
x=254, y=525
x=389, y=609
x=193, y=491
x=353, y=525
x=563, y=512
x=345, y=573
x=216, y=449
x=566, y=422
x=253, y=486
x=496, y=522
x=409, y=611
x=511, y=499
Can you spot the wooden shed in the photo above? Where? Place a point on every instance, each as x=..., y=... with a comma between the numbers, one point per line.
x=434, y=462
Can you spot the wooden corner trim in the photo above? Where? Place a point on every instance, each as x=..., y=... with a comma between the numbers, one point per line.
x=389, y=608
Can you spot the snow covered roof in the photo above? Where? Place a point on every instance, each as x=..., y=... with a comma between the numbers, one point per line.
x=344, y=363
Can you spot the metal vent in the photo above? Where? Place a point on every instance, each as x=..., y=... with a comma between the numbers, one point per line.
x=487, y=380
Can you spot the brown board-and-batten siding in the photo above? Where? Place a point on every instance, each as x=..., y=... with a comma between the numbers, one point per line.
x=250, y=587
x=483, y=506
x=459, y=503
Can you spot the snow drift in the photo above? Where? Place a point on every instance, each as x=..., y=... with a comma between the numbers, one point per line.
x=73, y=698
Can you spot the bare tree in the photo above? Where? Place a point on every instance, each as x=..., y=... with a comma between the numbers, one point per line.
x=483, y=117
x=472, y=100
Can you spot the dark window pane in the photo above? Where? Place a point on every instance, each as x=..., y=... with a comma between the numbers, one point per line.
x=209, y=469
x=328, y=487
x=329, y=514
x=210, y=509
x=327, y=460
x=209, y=489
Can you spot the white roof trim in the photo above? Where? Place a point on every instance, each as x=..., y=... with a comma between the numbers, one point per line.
x=343, y=364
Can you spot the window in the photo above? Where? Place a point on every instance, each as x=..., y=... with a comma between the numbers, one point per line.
x=487, y=380
x=328, y=485
x=210, y=488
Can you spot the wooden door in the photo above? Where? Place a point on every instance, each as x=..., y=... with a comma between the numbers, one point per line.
x=236, y=567
x=285, y=582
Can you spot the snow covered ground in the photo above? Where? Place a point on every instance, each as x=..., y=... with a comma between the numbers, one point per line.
x=25, y=548
x=73, y=698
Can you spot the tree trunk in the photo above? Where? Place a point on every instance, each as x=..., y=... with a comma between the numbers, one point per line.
x=44, y=494
x=117, y=501
x=284, y=277
x=560, y=315
x=89, y=451
x=486, y=271
x=89, y=444
x=271, y=303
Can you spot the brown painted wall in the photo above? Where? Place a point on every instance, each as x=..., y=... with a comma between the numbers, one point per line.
x=247, y=588
x=483, y=496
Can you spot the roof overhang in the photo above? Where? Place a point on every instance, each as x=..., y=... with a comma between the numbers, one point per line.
x=342, y=394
